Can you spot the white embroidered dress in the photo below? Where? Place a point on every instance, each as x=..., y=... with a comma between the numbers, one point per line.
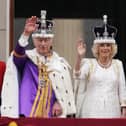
x=101, y=91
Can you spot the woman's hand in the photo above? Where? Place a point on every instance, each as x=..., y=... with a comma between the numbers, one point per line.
x=81, y=48
x=124, y=112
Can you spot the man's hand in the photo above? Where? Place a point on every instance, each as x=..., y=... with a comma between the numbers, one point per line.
x=30, y=25
x=56, y=110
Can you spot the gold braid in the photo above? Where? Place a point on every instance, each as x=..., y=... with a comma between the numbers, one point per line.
x=42, y=93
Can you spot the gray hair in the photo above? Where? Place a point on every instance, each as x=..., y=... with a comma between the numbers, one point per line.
x=95, y=50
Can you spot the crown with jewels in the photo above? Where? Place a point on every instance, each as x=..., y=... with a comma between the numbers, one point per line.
x=105, y=33
x=45, y=28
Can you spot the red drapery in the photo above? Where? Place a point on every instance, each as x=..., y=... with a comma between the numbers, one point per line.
x=61, y=122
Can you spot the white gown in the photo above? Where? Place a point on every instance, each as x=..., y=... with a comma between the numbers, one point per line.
x=101, y=91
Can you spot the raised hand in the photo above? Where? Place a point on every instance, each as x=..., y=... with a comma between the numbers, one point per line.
x=30, y=25
x=81, y=47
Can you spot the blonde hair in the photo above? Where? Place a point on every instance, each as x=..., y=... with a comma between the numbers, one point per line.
x=95, y=50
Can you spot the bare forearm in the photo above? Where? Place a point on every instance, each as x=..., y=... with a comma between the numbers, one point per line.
x=78, y=62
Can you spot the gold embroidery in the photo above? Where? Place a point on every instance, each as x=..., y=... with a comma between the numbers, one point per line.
x=39, y=108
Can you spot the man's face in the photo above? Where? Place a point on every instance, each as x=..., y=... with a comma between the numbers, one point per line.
x=43, y=45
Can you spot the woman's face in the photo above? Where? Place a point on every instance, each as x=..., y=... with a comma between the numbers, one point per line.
x=105, y=49
x=43, y=45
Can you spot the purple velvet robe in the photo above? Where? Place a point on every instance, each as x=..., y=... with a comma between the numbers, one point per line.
x=28, y=83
